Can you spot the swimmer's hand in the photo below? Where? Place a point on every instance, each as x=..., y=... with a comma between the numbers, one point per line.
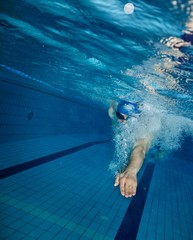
x=127, y=182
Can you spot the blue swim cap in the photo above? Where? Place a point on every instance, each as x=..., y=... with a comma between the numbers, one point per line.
x=128, y=108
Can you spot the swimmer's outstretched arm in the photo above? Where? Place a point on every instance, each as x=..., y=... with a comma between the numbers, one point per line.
x=128, y=179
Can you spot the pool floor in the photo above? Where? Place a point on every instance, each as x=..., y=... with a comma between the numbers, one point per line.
x=69, y=194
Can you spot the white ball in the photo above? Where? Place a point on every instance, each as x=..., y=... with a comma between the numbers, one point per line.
x=129, y=8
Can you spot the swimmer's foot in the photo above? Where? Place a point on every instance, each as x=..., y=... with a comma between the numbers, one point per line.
x=127, y=182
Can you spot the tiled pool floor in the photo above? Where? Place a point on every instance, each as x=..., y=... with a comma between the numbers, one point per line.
x=168, y=212
x=73, y=197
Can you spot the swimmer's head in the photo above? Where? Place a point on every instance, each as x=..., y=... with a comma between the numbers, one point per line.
x=125, y=110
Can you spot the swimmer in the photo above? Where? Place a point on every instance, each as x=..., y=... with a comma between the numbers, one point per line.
x=127, y=180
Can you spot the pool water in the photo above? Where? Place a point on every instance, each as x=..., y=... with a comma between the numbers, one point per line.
x=62, y=64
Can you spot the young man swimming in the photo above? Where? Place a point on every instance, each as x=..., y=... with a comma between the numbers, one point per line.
x=127, y=180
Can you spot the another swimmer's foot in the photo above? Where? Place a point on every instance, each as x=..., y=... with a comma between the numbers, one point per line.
x=127, y=182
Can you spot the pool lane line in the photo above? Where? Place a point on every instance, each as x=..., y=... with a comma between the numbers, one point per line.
x=10, y=171
x=129, y=227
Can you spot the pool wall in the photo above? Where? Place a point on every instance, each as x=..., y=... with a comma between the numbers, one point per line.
x=30, y=112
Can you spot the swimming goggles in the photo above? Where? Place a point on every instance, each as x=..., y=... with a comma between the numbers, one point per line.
x=121, y=117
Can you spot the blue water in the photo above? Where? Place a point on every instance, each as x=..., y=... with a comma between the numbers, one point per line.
x=89, y=46
x=94, y=52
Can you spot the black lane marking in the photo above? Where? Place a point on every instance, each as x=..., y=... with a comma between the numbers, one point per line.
x=129, y=227
x=48, y=93
x=4, y=173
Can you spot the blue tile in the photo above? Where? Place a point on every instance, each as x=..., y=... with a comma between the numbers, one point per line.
x=6, y=232
x=19, y=214
x=77, y=219
x=115, y=225
x=85, y=222
x=36, y=233
x=2, y=216
x=45, y=225
x=17, y=224
x=47, y=236
x=27, y=237
x=27, y=228
x=73, y=236
x=53, y=208
x=63, y=234
x=98, y=236
x=68, y=215
x=3, y=207
x=141, y=235
x=10, y=211
x=16, y=235
x=111, y=233
x=85, y=238
x=36, y=221
x=94, y=225
x=102, y=229
x=89, y=233
x=55, y=229
x=8, y=220
x=27, y=218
